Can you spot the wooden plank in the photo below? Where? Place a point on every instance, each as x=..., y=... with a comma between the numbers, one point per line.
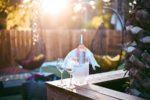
x=52, y=45
x=90, y=37
x=107, y=41
x=12, y=46
x=56, y=93
x=1, y=47
x=75, y=38
x=23, y=43
x=5, y=54
x=16, y=42
x=100, y=77
x=70, y=40
x=64, y=43
x=2, y=57
x=92, y=91
x=8, y=48
x=112, y=93
x=107, y=76
x=47, y=45
x=28, y=41
x=79, y=93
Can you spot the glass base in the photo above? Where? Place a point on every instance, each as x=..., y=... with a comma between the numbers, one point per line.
x=70, y=86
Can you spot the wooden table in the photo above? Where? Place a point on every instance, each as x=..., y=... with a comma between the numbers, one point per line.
x=90, y=91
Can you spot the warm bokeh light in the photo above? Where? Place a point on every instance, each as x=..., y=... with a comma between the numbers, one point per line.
x=106, y=0
x=54, y=6
x=25, y=1
x=77, y=7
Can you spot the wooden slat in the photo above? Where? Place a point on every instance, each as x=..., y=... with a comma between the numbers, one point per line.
x=100, y=77
x=28, y=41
x=112, y=93
x=16, y=46
x=60, y=94
x=23, y=43
x=1, y=47
x=5, y=54
x=91, y=93
x=55, y=93
x=8, y=50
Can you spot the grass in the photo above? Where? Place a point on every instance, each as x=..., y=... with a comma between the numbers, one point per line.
x=12, y=97
x=53, y=69
x=120, y=67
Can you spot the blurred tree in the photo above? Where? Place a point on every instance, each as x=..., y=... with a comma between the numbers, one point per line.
x=15, y=15
x=7, y=6
x=106, y=16
x=97, y=21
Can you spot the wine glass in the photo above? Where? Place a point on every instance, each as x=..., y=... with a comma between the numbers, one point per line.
x=69, y=69
x=59, y=66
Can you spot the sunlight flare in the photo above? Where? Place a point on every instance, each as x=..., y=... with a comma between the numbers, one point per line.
x=54, y=6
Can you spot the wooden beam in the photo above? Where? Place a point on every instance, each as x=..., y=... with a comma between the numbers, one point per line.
x=91, y=91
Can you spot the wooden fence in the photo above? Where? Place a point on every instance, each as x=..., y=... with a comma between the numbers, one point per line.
x=16, y=44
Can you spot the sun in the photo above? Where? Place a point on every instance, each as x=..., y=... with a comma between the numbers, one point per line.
x=54, y=6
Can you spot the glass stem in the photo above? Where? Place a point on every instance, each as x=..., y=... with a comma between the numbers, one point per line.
x=70, y=80
x=61, y=78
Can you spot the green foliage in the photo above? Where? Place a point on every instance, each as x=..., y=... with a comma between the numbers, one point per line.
x=19, y=18
x=120, y=67
x=97, y=21
x=19, y=21
x=12, y=15
x=54, y=70
x=7, y=7
x=99, y=5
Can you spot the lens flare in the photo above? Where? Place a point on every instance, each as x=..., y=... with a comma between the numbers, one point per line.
x=54, y=6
